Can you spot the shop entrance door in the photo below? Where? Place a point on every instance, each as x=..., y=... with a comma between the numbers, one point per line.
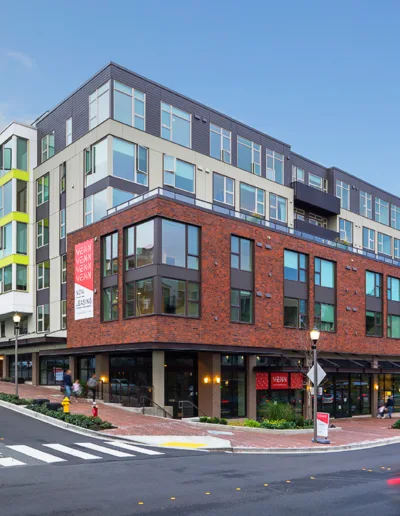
x=181, y=384
x=342, y=396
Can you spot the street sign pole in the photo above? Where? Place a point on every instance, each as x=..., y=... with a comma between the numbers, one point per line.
x=315, y=394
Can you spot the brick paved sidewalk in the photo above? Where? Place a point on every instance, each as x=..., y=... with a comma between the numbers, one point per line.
x=354, y=431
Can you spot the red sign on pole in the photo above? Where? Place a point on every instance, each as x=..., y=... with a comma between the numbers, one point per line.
x=279, y=380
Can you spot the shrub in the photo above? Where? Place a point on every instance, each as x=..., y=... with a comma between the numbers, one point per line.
x=214, y=420
x=396, y=425
x=12, y=398
x=277, y=411
x=251, y=423
x=223, y=421
x=203, y=419
x=278, y=424
x=89, y=422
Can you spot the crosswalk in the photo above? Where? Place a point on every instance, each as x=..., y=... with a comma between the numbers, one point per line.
x=52, y=453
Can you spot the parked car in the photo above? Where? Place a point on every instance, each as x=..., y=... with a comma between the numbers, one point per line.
x=327, y=398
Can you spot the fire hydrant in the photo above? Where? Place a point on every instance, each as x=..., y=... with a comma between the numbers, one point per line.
x=66, y=403
x=95, y=410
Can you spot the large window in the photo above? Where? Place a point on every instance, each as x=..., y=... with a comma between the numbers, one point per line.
x=22, y=278
x=381, y=211
x=43, y=275
x=384, y=244
x=393, y=289
x=252, y=199
x=95, y=207
x=346, y=231
x=86, y=368
x=393, y=326
x=373, y=284
x=110, y=304
x=6, y=234
x=176, y=125
x=42, y=233
x=369, y=239
x=295, y=266
x=249, y=156
x=241, y=254
x=241, y=306
x=220, y=143
x=7, y=198
x=52, y=370
x=139, y=298
x=180, y=244
x=22, y=196
x=47, y=147
x=298, y=174
x=318, y=182
x=96, y=162
x=99, y=105
x=110, y=254
x=121, y=197
x=62, y=224
x=324, y=316
x=64, y=268
x=129, y=105
x=43, y=318
x=366, y=204
x=179, y=174
x=343, y=192
x=277, y=208
x=224, y=189
x=68, y=131
x=324, y=273
x=395, y=216
x=139, y=245
x=130, y=161
x=295, y=313
x=63, y=314
x=22, y=154
x=6, y=278
x=373, y=323
x=275, y=166
x=180, y=297
x=43, y=189
x=22, y=238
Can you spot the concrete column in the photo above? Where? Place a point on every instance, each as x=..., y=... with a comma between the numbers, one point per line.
x=35, y=369
x=73, y=367
x=103, y=373
x=374, y=395
x=6, y=366
x=251, y=393
x=209, y=393
x=158, y=377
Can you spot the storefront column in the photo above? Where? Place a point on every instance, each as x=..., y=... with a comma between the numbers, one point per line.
x=158, y=377
x=35, y=369
x=103, y=373
x=73, y=366
x=374, y=391
x=210, y=392
x=251, y=392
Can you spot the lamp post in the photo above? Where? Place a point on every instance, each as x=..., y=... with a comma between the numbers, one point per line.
x=314, y=335
x=16, y=319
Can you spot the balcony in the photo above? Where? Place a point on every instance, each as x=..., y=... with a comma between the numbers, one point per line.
x=312, y=229
x=314, y=200
x=14, y=301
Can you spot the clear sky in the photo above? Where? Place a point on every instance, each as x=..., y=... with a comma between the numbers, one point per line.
x=322, y=76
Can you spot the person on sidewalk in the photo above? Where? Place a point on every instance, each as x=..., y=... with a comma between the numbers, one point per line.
x=67, y=381
x=92, y=385
x=77, y=389
x=390, y=406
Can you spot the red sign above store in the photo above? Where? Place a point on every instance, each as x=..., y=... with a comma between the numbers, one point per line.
x=279, y=380
x=261, y=381
x=296, y=380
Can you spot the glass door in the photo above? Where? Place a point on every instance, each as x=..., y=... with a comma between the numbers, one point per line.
x=342, y=396
x=181, y=384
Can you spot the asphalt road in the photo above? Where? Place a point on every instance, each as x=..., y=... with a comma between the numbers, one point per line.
x=181, y=483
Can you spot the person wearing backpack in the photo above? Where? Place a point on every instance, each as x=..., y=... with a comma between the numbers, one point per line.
x=92, y=385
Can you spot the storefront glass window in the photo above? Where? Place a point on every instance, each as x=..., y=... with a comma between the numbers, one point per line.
x=52, y=370
x=24, y=366
x=233, y=387
x=86, y=368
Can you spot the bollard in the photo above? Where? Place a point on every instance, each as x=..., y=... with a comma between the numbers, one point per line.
x=66, y=403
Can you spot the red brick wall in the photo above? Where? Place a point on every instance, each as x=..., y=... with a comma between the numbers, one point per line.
x=268, y=330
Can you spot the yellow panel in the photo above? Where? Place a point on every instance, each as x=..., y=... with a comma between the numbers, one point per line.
x=20, y=259
x=14, y=215
x=14, y=173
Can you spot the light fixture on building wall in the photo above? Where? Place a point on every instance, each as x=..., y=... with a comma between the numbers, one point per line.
x=376, y=387
x=217, y=379
x=206, y=379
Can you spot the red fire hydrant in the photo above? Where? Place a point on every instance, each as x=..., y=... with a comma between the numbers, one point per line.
x=95, y=410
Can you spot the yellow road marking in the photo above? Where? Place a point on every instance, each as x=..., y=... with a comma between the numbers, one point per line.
x=266, y=485
x=173, y=498
x=184, y=445
x=238, y=489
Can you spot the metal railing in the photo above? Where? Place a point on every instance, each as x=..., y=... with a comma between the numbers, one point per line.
x=156, y=405
x=187, y=409
x=161, y=192
x=129, y=396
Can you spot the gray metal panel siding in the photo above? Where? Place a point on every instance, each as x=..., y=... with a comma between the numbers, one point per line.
x=42, y=254
x=43, y=297
x=63, y=291
x=42, y=211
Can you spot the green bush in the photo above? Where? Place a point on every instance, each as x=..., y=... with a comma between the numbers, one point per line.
x=278, y=424
x=89, y=422
x=251, y=423
x=214, y=420
x=12, y=398
x=275, y=411
x=204, y=419
x=396, y=425
x=223, y=421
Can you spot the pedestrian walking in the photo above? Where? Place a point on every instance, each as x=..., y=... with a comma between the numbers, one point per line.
x=67, y=381
x=92, y=385
x=390, y=406
x=77, y=389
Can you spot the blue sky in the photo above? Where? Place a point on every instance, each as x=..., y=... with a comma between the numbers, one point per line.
x=321, y=76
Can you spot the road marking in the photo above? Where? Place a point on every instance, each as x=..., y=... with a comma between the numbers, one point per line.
x=103, y=449
x=70, y=451
x=36, y=454
x=183, y=445
x=8, y=461
x=131, y=447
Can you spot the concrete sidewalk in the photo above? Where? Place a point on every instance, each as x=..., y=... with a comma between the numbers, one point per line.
x=354, y=432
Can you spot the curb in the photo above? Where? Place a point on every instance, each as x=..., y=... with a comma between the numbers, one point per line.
x=294, y=431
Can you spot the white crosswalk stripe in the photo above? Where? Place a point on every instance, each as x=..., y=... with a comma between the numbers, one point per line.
x=103, y=449
x=71, y=451
x=131, y=447
x=8, y=462
x=36, y=454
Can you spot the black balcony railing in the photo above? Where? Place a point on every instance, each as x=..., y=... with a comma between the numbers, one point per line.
x=317, y=201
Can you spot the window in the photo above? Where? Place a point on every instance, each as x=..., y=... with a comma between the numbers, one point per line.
x=295, y=313
x=47, y=147
x=252, y=199
x=22, y=196
x=64, y=268
x=43, y=275
x=68, y=131
x=180, y=244
x=373, y=323
x=396, y=248
x=142, y=300
x=129, y=105
x=224, y=189
x=121, y=196
x=249, y=156
x=42, y=189
x=22, y=278
x=366, y=204
x=130, y=161
x=42, y=233
x=22, y=154
x=241, y=306
x=369, y=239
x=295, y=266
x=62, y=223
x=23, y=325
x=384, y=244
x=110, y=304
x=395, y=216
x=96, y=159
x=6, y=233
x=178, y=174
x=343, y=192
x=277, y=208
x=297, y=174
x=110, y=254
x=393, y=327
x=318, y=182
x=7, y=198
x=22, y=238
x=3, y=329
x=381, y=211
x=393, y=289
x=63, y=314
x=176, y=125
x=220, y=143
x=95, y=207
x=63, y=176
x=145, y=243
x=299, y=214
x=180, y=297
x=346, y=231
x=275, y=166
x=6, y=155
x=324, y=273
x=241, y=254
x=373, y=284
x=317, y=220
x=99, y=105
x=324, y=316
x=43, y=318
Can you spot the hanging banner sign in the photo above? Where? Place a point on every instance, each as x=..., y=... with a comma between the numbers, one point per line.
x=84, y=269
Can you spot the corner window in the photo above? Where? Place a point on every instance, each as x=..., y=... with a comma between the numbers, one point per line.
x=393, y=289
x=373, y=323
x=64, y=268
x=373, y=284
x=130, y=161
x=6, y=155
x=22, y=196
x=369, y=239
x=121, y=197
x=395, y=216
x=62, y=224
x=96, y=159
x=393, y=326
x=47, y=147
x=43, y=275
x=318, y=182
x=22, y=278
x=68, y=131
x=180, y=244
x=298, y=174
x=43, y=318
x=324, y=316
x=22, y=154
x=144, y=244
x=42, y=233
x=343, y=192
x=180, y=297
x=110, y=254
x=295, y=266
x=176, y=125
x=139, y=298
x=224, y=189
x=6, y=239
x=63, y=314
x=42, y=189
x=346, y=231
x=277, y=208
x=249, y=156
x=178, y=174
x=241, y=254
x=295, y=313
x=95, y=207
x=220, y=143
x=6, y=279
x=252, y=199
x=129, y=106
x=110, y=304
x=381, y=211
x=99, y=105
x=366, y=205
x=241, y=306
x=22, y=238
x=384, y=244
x=63, y=176
x=324, y=273
x=275, y=166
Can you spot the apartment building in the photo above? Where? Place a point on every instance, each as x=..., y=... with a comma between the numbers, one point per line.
x=214, y=247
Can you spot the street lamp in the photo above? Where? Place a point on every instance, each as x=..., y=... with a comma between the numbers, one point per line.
x=314, y=335
x=17, y=320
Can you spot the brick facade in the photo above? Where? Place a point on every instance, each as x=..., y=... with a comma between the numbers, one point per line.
x=214, y=326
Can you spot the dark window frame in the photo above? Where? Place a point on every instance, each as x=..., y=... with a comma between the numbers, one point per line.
x=300, y=314
x=376, y=326
x=187, y=301
x=187, y=254
x=239, y=305
x=113, y=304
x=378, y=285
x=239, y=254
x=317, y=318
x=133, y=300
x=317, y=259
x=390, y=288
x=299, y=267
x=134, y=255
x=113, y=258
x=389, y=326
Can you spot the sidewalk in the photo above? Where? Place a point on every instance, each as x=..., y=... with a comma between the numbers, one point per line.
x=175, y=433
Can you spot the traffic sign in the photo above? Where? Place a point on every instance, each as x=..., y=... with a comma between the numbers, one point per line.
x=320, y=374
